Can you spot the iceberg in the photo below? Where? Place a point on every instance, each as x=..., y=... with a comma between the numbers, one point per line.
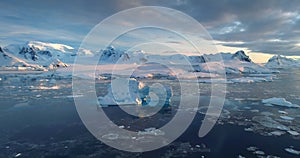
x=279, y=102
x=137, y=93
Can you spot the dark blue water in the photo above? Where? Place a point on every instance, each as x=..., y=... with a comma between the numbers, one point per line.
x=41, y=122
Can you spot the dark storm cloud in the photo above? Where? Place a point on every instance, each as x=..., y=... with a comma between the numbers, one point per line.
x=271, y=47
x=270, y=26
x=260, y=21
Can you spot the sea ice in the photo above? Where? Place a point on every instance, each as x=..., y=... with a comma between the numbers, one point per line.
x=151, y=131
x=277, y=133
x=248, y=129
x=252, y=148
x=282, y=112
x=292, y=151
x=287, y=118
x=18, y=155
x=122, y=127
x=111, y=136
x=251, y=79
x=294, y=133
x=269, y=122
x=258, y=152
x=279, y=102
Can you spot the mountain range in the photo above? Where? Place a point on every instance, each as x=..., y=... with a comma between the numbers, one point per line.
x=35, y=55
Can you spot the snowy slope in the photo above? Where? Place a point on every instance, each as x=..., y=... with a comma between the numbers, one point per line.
x=9, y=62
x=6, y=60
x=279, y=61
x=43, y=54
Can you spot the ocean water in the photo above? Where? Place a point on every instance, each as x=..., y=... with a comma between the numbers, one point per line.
x=38, y=118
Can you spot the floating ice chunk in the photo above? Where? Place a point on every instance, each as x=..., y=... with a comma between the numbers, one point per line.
x=74, y=96
x=282, y=112
x=111, y=136
x=294, y=133
x=258, y=152
x=240, y=156
x=269, y=122
x=277, y=133
x=254, y=110
x=122, y=127
x=251, y=79
x=151, y=131
x=287, y=118
x=279, y=102
x=248, y=129
x=268, y=105
x=45, y=88
x=18, y=155
x=252, y=148
x=292, y=151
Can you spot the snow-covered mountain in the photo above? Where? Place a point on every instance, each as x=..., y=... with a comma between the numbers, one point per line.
x=112, y=55
x=240, y=55
x=235, y=63
x=41, y=53
x=53, y=55
x=6, y=60
x=279, y=61
x=10, y=62
x=49, y=55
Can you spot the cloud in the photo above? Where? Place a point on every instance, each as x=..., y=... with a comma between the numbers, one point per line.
x=271, y=26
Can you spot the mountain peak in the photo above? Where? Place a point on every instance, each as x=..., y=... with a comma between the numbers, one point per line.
x=48, y=46
x=111, y=48
x=240, y=55
x=279, y=61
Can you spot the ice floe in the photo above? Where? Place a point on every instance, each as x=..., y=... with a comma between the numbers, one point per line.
x=292, y=151
x=269, y=123
x=252, y=79
x=287, y=118
x=279, y=102
x=277, y=133
x=252, y=148
x=18, y=155
x=248, y=129
x=151, y=131
x=259, y=152
x=282, y=112
x=294, y=133
x=111, y=136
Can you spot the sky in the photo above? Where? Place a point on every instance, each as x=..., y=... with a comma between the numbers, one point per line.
x=261, y=28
